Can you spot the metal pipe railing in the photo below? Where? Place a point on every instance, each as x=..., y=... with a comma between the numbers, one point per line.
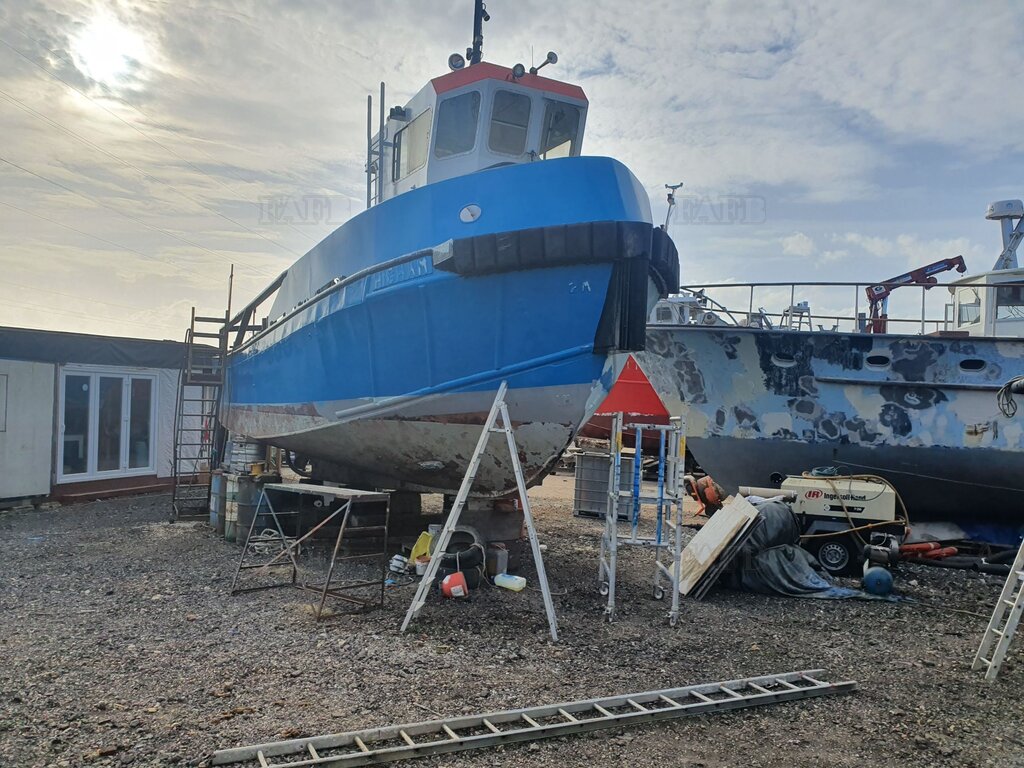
x=786, y=317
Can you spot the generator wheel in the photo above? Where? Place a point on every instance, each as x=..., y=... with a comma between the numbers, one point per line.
x=837, y=554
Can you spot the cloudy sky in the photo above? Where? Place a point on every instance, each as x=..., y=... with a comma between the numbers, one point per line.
x=146, y=146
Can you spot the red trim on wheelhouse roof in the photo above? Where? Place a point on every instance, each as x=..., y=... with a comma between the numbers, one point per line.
x=486, y=71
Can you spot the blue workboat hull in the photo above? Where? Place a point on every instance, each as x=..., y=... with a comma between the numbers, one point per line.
x=392, y=335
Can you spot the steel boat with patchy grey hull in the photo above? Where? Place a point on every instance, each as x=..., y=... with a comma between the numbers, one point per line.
x=766, y=398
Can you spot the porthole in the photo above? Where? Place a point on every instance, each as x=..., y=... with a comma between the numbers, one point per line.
x=972, y=365
x=783, y=360
x=877, y=361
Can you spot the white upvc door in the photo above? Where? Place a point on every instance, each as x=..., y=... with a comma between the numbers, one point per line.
x=107, y=425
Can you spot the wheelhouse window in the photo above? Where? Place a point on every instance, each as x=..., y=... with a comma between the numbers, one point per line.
x=561, y=129
x=968, y=307
x=411, y=146
x=1010, y=302
x=510, y=119
x=457, y=119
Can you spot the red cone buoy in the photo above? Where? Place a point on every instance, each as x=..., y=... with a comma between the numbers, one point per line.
x=454, y=585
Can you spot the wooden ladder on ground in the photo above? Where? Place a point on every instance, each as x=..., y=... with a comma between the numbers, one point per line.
x=196, y=426
x=1003, y=624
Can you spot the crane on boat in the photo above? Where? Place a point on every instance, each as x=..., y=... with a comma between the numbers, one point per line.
x=878, y=294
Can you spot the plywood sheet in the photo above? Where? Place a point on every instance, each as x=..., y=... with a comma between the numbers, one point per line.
x=712, y=539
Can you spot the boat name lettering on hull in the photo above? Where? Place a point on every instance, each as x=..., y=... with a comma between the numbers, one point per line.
x=401, y=273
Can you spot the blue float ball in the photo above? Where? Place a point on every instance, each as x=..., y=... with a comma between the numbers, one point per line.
x=877, y=580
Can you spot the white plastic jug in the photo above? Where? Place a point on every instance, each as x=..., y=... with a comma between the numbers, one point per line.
x=508, y=581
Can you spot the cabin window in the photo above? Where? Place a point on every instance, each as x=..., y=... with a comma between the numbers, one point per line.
x=509, y=121
x=561, y=126
x=877, y=361
x=456, y=124
x=1010, y=302
x=664, y=315
x=411, y=146
x=968, y=307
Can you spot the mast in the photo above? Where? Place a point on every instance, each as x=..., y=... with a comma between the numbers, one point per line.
x=480, y=15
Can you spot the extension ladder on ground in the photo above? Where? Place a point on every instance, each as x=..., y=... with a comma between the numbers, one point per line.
x=499, y=410
x=400, y=742
x=668, y=500
x=196, y=428
x=1003, y=624
x=370, y=521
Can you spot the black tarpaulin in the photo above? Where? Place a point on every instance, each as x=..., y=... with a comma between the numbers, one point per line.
x=772, y=562
x=62, y=347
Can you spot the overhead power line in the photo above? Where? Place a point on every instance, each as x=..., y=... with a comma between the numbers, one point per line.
x=95, y=237
x=134, y=127
x=50, y=310
x=128, y=216
x=25, y=107
x=77, y=296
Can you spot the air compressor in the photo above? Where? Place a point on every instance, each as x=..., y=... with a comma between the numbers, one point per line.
x=828, y=506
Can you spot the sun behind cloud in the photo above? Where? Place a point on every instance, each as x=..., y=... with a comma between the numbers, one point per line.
x=106, y=49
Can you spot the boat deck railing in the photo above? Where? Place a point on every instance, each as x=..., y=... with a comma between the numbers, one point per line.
x=742, y=304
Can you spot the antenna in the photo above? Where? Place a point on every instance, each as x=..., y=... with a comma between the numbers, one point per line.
x=671, y=201
x=480, y=15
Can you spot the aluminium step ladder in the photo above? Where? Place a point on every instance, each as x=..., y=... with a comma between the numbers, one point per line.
x=197, y=433
x=1003, y=624
x=498, y=410
x=456, y=734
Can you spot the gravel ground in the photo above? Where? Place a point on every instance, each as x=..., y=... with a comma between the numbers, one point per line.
x=119, y=645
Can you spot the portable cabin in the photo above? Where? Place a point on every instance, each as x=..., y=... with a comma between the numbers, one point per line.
x=85, y=416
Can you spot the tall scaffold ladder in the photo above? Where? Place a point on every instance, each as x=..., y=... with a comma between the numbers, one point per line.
x=671, y=471
x=196, y=427
x=1003, y=624
x=668, y=499
x=499, y=410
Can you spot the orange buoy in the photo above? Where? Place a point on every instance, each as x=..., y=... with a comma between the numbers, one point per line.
x=454, y=585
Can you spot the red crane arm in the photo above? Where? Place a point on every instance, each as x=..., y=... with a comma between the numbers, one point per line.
x=920, y=276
